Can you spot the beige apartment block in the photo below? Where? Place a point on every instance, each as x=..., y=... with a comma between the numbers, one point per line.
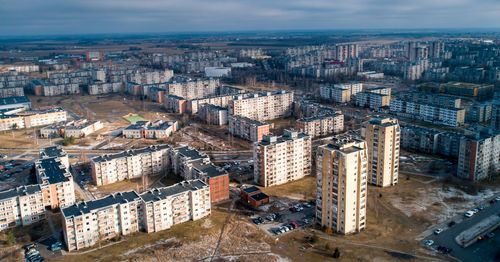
x=56, y=182
x=342, y=185
x=21, y=206
x=383, y=138
x=32, y=118
x=167, y=206
x=324, y=125
x=87, y=223
x=111, y=168
x=263, y=106
x=279, y=160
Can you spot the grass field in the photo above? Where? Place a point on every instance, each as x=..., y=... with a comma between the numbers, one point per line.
x=132, y=118
x=300, y=189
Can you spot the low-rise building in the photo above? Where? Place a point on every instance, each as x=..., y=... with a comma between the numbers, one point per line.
x=279, y=160
x=437, y=114
x=21, y=206
x=16, y=102
x=31, y=118
x=247, y=128
x=253, y=196
x=82, y=128
x=151, y=130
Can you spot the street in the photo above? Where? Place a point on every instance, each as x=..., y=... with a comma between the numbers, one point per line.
x=483, y=250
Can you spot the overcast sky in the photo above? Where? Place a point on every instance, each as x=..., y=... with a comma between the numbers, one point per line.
x=28, y=17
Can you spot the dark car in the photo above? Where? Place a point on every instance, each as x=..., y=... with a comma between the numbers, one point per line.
x=452, y=223
x=444, y=250
x=258, y=220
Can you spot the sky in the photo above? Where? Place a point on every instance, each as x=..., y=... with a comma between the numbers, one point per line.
x=40, y=17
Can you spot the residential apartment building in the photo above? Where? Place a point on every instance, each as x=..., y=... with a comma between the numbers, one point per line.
x=263, y=106
x=55, y=152
x=21, y=206
x=438, y=114
x=101, y=88
x=429, y=140
x=193, y=89
x=382, y=137
x=44, y=88
x=495, y=116
x=56, y=182
x=341, y=186
x=279, y=160
x=162, y=208
x=32, y=118
x=479, y=156
x=134, y=163
x=346, y=51
x=82, y=128
x=322, y=125
x=194, y=105
x=87, y=223
x=213, y=115
x=150, y=130
x=372, y=100
x=175, y=104
x=247, y=128
x=340, y=93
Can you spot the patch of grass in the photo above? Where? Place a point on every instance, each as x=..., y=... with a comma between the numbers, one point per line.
x=132, y=118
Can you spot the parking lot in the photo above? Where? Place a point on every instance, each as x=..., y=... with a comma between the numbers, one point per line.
x=297, y=216
x=485, y=249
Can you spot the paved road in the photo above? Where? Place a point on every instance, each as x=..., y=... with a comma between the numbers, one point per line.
x=481, y=251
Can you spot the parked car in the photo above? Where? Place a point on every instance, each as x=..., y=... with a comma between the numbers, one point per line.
x=29, y=246
x=429, y=242
x=475, y=210
x=469, y=213
x=258, y=220
x=444, y=250
x=56, y=246
x=451, y=223
x=438, y=231
x=307, y=205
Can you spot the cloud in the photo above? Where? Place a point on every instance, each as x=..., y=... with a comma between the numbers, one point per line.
x=24, y=17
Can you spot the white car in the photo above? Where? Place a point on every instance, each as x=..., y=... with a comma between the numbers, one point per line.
x=469, y=213
x=429, y=242
x=438, y=231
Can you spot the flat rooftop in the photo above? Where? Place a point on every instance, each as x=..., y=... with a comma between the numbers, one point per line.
x=248, y=120
x=14, y=100
x=157, y=194
x=131, y=152
x=259, y=196
x=208, y=168
x=190, y=153
x=54, y=170
x=20, y=191
x=94, y=205
x=52, y=151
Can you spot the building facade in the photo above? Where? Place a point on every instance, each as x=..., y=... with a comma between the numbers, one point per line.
x=342, y=185
x=279, y=160
x=382, y=138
